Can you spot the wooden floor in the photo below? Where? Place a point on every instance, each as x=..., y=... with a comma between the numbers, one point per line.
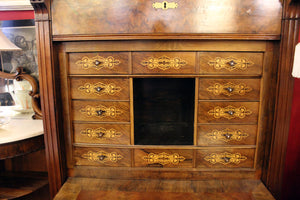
x=108, y=189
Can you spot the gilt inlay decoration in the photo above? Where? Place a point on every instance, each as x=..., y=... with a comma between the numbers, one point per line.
x=230, y=112
x=225, y=158
x=101, y=111
x=98, y=62
x=163, y=158
x=229, y=89
x=101, y=133
x=100, y=89
x=102, y=156
x=230, y=63
x=226, y=135
x=163, y=63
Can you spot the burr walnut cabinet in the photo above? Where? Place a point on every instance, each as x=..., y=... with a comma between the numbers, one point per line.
x=159, y=89
x=144, y=105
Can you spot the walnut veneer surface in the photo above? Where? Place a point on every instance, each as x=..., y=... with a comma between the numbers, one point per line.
x=230, y=100
x=102, y=50
x=87, y=188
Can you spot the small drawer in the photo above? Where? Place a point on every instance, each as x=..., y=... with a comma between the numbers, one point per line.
x=99, y=89
x=163, y=158
x=99, y=63
x=225, y=158
x=222, y=135
x=163, y=62
x=237, y=89
x=237, y=63
x=106, y=157
x=101, y=111
x=227, y=112
x=102, y=133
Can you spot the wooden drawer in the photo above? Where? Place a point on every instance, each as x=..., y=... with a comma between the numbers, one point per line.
x=99, y=63
x=227, y=112
x=100, y=89
x=225, y=158
x=230, y=63
x=239, y=89
x=111, y=157
x=102, y=133
x=210, y=135
x=163, y=158
x=101, y=111
x=163, y=62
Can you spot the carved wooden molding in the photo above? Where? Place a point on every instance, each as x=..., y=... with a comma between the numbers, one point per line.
x=35, y=96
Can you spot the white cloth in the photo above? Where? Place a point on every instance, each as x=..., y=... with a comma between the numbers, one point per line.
x=296, y=65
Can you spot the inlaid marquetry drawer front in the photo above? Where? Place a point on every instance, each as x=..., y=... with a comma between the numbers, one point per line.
x=227, y=112
x=225, y=158
x=163, y=158
x=163, y=62
x=99, y=63
x=230, y=63
x=102, y=133
x=101, y=111
x=100, y=89
x=239, y=89
x=222, y=135
x=112, y=157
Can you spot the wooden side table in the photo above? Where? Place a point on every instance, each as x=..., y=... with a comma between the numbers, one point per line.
x=20, y=137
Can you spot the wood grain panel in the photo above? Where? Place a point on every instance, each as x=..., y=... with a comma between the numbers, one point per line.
x=217, y=135
x=227, y=112
x=99, y=63
x=225, y=158
x=190, y=16
x=100, y=88
x=163, y=158
x=237, y=89
x=163, y=62
x=110, y=157
x=102, y=133
x=230, y=63
x=101, y=111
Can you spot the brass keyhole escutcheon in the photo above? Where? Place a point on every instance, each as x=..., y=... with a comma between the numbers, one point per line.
x=164, y=5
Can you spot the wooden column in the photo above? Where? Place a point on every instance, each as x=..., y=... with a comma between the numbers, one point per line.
x=48, y=95
x=289, y=38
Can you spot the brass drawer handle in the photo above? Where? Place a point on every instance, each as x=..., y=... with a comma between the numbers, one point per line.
x=232, y=63
x=101, y=134
x=230, y=112
x=164, y=5
x=228, y=136
x=100, y=112
x=97, y=62
x=98, y=89
x=102, y=157
x=226, y=159
x=229, y=89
